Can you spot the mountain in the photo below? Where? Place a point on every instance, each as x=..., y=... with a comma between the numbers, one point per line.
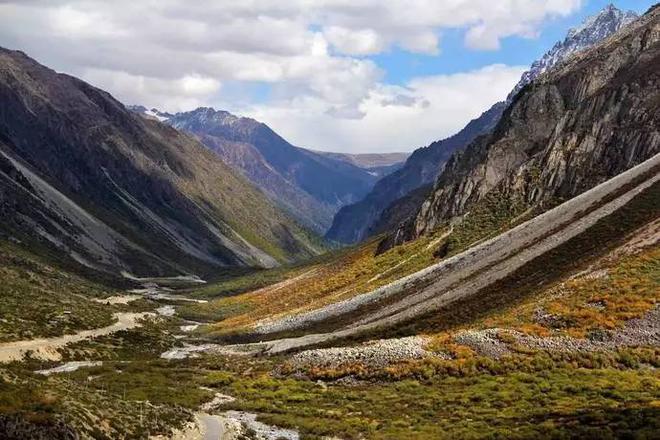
x=311, y=186
x=356, y=222
x=590, y=118
x=594, y=29
x=84, y=179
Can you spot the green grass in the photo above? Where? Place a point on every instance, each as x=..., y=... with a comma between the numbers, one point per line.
x=147, y=342
x=111, y=405
x=39, y=300
x=558, y=403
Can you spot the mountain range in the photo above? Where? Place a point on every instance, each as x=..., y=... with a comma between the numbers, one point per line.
x=156, y=284
x=404, y=189
x=309, y=185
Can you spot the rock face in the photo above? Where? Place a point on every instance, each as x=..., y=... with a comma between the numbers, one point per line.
x=311, y=186
x=583, y=122
x=401, y=189
x=85, y=180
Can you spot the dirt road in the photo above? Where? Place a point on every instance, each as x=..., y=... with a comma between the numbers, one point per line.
x=46, y=348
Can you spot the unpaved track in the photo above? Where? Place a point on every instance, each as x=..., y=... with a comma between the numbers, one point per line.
x=46, y=348
x=467, y=273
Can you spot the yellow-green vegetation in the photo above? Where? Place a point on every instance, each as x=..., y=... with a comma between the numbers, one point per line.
x=148, y=341
x=336, y=277
x=123, y=400
x=523, y=395
x=556, y=403
x=493, y=215
x=542, y=396
x=38, y=299
x=348, y=272
x=533, y=283
x=602, y=298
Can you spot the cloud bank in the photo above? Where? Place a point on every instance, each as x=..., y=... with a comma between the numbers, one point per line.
x=313, y=58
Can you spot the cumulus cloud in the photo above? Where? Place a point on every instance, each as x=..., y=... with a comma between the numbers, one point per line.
x=314, y=55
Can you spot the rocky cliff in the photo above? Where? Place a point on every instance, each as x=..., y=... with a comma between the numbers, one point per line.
x=373, y=215
x=577, y=125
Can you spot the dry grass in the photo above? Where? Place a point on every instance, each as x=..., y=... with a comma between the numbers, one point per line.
x=340, y=276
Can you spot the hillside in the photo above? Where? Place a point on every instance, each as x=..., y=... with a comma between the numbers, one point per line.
x=367, y=217
x=85, y=180
x=310, y=186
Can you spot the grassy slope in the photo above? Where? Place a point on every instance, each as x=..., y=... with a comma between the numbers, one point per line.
x=343, y=274
x=524, y=395
x=34, y=297
x=335, y=277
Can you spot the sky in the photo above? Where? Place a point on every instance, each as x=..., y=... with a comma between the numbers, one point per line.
x=356, y=76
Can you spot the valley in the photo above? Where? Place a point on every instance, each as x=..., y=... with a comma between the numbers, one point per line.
x=192, y=275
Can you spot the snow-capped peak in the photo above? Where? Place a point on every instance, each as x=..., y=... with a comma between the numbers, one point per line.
x=609, y=14
x=158, y=115
x=150, y=113
x=594, y=29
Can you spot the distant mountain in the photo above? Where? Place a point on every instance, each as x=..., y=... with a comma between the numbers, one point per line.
x=311, y=186
x=377, y=164
x=355, y=222
x=91, y=183
x=588, y=119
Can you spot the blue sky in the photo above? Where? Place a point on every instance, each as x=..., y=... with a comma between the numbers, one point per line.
x=335, y=75
x=400, y=66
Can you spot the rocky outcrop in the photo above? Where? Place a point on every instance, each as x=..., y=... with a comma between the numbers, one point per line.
x=91, y=183
x=583, y=122
x=593, y=30
x=396, y=197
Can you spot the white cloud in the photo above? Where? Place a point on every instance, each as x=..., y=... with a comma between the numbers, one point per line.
x=354, y=42
x=313, y=54
x=182, y=94
x=394, y=118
